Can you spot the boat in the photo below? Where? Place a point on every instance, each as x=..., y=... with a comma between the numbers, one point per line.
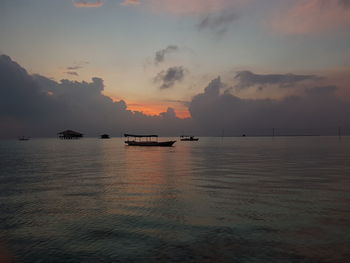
x=104, y=136
x=23, y=138
x=136, y=140
x=188, y=138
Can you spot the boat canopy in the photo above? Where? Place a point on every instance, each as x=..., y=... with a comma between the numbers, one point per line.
x=139, y=136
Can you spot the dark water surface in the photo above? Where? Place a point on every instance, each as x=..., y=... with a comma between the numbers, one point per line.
x=282, y=199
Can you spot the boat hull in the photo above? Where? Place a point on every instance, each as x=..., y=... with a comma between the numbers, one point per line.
x=162, y=144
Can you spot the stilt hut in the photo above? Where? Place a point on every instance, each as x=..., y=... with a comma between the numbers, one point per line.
x=69, y=134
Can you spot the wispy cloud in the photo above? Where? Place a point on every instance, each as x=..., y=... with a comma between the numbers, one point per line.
x=72, y=70
x=130, y=2
x=161, y=54
x=87, y=3
x=78, y=65
x=217, y=23
x=186, y=7
x=73, y=73
x=247, y=79
x=313, y=16
x=74, y=67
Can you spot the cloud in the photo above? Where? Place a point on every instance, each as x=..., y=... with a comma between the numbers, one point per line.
x=72, y=70
x=130, y=2
x=169, y=114
x=183, y=102
x=344, y=3
x=73, y=73
x=319, y=108
x=313, y=16
x=87, y=3
x=34, y=105
x=74, y=67
x=188, y=7
x=217, y=23
x=78, y=65
x=38, y=106
x=161, y=54
x=247, y=79
x=169, y=77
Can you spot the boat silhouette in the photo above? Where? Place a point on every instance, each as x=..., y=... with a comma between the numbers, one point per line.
x=188, y=138
x=137, y=140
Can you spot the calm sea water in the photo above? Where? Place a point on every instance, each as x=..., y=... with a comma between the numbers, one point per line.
x=282, y=199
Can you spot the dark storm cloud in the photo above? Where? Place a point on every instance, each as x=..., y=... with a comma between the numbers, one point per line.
x=247, y=79
x=217, y=23
x=169, y=77
x=20, y=93
x=319, y=107
x=161, y=54
x=38, y=106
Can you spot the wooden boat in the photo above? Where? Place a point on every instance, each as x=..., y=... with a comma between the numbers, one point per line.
x=148, y=142
x=188, y=138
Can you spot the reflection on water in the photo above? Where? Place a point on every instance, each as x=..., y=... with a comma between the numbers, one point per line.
x=237, y=200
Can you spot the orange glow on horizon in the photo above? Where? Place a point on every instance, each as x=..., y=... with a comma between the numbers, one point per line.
x=155, y=108
x=152, y=109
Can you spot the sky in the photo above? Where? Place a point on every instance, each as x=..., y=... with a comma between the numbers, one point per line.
x=161, y=58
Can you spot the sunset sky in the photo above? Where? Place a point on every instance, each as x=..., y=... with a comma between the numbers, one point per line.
x=155, y=54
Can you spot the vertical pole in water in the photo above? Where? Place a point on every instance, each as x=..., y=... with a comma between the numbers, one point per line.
x=222, y=134
x=273, y=132
x=339, y=132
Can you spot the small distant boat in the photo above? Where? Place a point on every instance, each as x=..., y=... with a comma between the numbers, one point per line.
x=188, y=138
x=23, y=138
x=148, y=142
x=105, y=136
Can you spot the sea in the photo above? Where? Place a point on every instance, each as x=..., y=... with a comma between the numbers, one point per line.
x=221, y=199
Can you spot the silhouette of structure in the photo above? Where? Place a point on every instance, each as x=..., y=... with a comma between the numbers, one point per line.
x=104, y=136
x=69, y=134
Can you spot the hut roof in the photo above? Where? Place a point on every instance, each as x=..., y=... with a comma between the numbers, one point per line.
x=70, y=133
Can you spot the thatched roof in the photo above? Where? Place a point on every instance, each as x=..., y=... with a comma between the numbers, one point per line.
x=70, y=133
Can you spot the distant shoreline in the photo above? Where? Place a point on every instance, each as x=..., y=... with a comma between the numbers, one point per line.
x=230, y=136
